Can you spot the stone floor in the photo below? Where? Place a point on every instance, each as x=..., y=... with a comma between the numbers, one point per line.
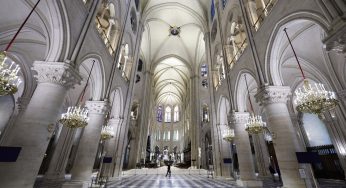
x=175, y=181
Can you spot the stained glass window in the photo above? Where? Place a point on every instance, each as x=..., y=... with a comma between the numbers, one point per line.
x=159, y=114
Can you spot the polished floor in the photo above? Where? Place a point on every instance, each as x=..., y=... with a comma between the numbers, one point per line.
x=175, y=181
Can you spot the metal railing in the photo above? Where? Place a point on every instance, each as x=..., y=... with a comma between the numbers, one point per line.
x=240, y=51
x=104, y=37
x=264, y=13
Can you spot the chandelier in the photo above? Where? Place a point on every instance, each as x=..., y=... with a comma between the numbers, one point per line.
x=228, y=134
x=254, y=124
x=9, y=80
x=107, y=132
x=77, y=116
x=312, y=99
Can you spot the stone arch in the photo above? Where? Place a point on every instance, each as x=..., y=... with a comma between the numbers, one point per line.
x=117, y=104
x=241, y=93
x=271, y=63
x=97, y=80
x=223, y=111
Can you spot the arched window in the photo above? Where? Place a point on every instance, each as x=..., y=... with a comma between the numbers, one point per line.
x=176, y=135
x=168, y=114
x=159, y=114
x=204, y=70
x=176, y=114
x=168, y=135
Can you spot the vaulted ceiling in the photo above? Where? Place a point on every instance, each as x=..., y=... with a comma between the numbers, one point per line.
x=173, y=44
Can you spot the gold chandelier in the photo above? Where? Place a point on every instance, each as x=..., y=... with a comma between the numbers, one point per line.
x=9, y=80
x=312, y=99
x=75, y=117
x=107, y=132
x=228, y=134
x=254, y=124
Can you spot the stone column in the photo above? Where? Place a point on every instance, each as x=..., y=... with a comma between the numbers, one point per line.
x=194, y=121
x=214, y=132
x=88, y=144
x=32, y=130
x=225, y=152
x=242, y=142
x=274, y=99
x=262, y=155
x=56, y=171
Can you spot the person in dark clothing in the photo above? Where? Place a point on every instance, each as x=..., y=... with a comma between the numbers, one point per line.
x=168, y=170
x=279, y=173
x=272, y=172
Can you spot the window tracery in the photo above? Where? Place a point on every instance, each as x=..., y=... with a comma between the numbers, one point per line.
x=176, y=114
x=168, y=115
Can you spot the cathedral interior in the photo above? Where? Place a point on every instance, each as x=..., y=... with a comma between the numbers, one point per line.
x=223, y=93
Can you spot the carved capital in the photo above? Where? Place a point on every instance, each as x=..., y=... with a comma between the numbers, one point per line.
x=239, y=117
x=273, y=94
x=97, y=107
x=56, y=72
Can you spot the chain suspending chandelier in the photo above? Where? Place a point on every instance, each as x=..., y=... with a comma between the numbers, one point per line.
x=77, y=116
x=254, y=124
x=228, y=134
x=9, y=80
x=312, y=99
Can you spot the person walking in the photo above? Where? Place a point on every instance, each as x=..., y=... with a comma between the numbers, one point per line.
x=168, y=169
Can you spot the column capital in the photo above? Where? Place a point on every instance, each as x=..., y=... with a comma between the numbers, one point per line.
x=97, y=107
x=239, y=117
x=273, y=94
x=59, y=73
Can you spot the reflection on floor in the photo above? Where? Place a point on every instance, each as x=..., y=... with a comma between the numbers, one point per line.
x=175, y=181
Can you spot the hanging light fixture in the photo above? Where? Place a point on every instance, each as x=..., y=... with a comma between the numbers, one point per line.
x=9, y=80
x=77, y=116
x=107, y=132
x=228, y=134
x=254, y=124
x=312, y=99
